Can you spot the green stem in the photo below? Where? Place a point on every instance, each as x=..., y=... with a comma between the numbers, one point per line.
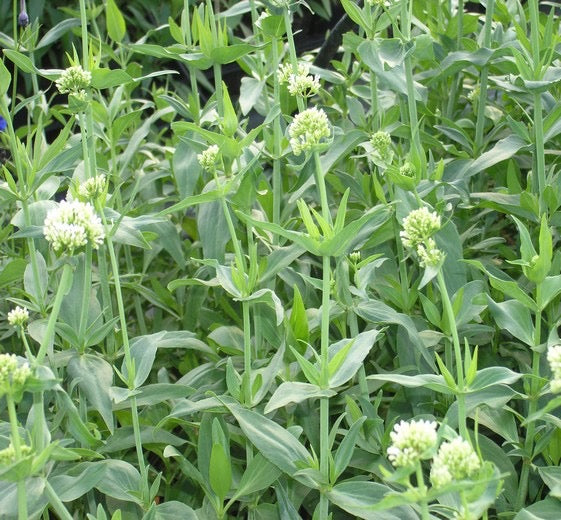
x=353, y=329
x=423, y=489
x=482, y=102
x=277, y=137
x=247, y=352
x=540, y=153
x=56, y=502
x=21, y=492
x=106, y=296
x=128, y=359
x=292, y=54
x=86, y=291
x=48, y=338
x=85, y=43
x=462, y=420
x=532, y=409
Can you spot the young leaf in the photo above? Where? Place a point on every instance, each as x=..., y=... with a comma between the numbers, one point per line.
x=116, y=27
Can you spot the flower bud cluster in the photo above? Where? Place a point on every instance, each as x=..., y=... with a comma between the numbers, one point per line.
x=308, y=129
x=382, y=143
x=18, y=317
x=74, y=80
x=8, y=455
x=93, y=188
x=302, y=83
x=12, y=375
x=455, y=460
x=554, y=360
x=72, y=225
x=207, y=158
x=418, y=228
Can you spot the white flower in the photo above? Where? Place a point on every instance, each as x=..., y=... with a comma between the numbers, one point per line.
x=72, y=225
x=410, y=442
x=92, y=188
x=429, y=254
x=18, y=316
x=418, y=226
x=455, y=460
x=286, y=70
x=554, y=360
x=307, y=130
x=207, y=158
x=74, y=80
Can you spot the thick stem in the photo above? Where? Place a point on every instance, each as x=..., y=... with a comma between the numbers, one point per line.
x=423, y=489
x=540, y=153
x=482, y=102
x=353, y=329
x=86, y=290
x=292, y=54
x=85, y=43
x=277, y=137
x=21, y=492
x=532, y=409
x=56, y=502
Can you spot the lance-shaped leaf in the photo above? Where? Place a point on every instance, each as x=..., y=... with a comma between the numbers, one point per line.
x=293, y=392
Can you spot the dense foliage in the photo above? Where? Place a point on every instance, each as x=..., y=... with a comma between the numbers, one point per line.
x=242, y=279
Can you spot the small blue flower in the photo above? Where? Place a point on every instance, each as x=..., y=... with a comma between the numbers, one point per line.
x=23, y=19
x=3, y=124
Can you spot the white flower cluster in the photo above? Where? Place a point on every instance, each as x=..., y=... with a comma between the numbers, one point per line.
x=18, y=317
x=411, y=441
x=418, y=227
x=92, y=188
x=207, y=158
x=554, y=360
x=12, y=376
x=300, y=84
x=455, y=460
x=308, y=129
x=74, y=80
x=72, y=225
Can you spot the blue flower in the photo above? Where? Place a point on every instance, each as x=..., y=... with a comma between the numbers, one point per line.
x=3, y=124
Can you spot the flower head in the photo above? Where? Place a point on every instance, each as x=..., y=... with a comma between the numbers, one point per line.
x=303, y=86
x=23, y=19
x=418, y=226
x=92, y=188
x=18, y=317
x=12, y=375
x=72, y=225
x=207, y=158
x=74, y=80
x=3, y=124
x=554, y=360
x=286, y=70
x=455, y=460
x=410, y=442
x=308, y=129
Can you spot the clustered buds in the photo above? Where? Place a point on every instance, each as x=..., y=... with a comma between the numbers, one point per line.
x=418, y=228
x=411, y=441
x=8, y=455
x=93, y=188
x=554, y=359
x=408, y=170
x=74, y=80
x=382, y=143
x=18, y=317
x=455, y=460
x=72, y=225
x=308, y=129
x=12, y=375
x=207, y=158
x=300, y=84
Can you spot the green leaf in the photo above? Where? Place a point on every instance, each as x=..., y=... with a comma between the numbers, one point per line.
x=115, y=22
x=512, y=316
x=364, y=499
x=295, y=392
x=119, y=480
x=22, y=61
x=77, y=480
x=432, y=381
x=259, y=475
x=109, y=78
x=347, y=356
x=548, y=509
x=298, y=320
x=346, y=449
x=274, y=442
x=123, y=439
x=491, y=376
x=94, y=377
x=5, y=80
x=551, y=475
x=220, y=471
x=172, y=510
x=230, y=120
x=55, y=33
